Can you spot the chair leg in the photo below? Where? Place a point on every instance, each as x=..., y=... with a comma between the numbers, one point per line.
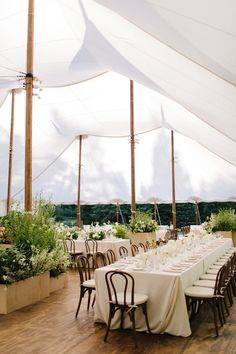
x=221, y=305
x=226, y=306
x=89, y=297
x=94, y=298
x=215, y=317
x=220, y=315
x=82, y=292
x=109, y=322
x=132, y=317
x=122, y=319
x=144, y=307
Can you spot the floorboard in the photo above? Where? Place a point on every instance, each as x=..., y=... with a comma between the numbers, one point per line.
x=49, y=327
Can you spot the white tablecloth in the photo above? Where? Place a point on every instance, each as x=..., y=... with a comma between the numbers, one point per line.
x=167, y=310
x=104, y=245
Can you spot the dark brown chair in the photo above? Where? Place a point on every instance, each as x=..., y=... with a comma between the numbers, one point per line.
x=123, y=252
x=196, y=296
x=111, y=257
x=124, y=298
x=69, y=247
x=87, y=284
x=91, y=247
x=134, y=249
x=99, y=260
x=142, y=246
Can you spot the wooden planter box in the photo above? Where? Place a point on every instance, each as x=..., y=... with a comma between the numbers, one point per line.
x=3, y=246
x=228, y=234
x=23, y=293
x=142, y=237
x=58, y=283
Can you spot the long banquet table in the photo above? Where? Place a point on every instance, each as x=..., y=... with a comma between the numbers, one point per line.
x=167, y=310
x=104, y=245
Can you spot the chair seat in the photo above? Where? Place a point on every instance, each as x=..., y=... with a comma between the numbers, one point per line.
x=205, y=283
x=138, y=298
x=208, y=276
x=225, y=259
x=219, y=263
x=89, y=283
x=212, y=271
x=199, y=292
x=215, y=266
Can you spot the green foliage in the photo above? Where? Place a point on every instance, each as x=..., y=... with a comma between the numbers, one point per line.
x=14, y=266
x=223, y=220
x=37, y=245
x=107, y=212
x=26, y=230
x=120, y=230
x=142, y=222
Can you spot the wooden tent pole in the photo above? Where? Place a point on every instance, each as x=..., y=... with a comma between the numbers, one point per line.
x=198, y=217
x=10, y=151
x=117, y=212
x=79, y=181
x=196, y=213
x=173, y=181
x=132, y=146
x=155, y=212
x=29, y=94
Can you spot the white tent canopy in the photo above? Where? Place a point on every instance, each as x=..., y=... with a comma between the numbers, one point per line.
x=184, y=51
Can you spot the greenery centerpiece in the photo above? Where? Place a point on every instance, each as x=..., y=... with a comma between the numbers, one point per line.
x=223, y=222
x=142, y=227
x=120, y=231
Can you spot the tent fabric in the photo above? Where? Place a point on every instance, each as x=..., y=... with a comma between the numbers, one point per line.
x=92, y=108
x=182, y=52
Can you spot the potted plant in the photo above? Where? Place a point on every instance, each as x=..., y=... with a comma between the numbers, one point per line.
x=120, y=231
x=142, y=228
x=4, y=240
x=37, y=253
x=223, y=223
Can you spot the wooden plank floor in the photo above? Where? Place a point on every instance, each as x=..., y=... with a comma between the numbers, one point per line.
x=49, y=327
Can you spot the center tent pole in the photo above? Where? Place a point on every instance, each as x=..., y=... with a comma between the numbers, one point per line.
x=173, y=181
x=132, y=153
x=79, y=181
x=29, y=106
x=10, y=151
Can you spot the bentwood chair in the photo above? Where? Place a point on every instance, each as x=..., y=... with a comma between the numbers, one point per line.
x=123, y=252
x=69, y=247
x=99, y=260
x=87, y=284
x=197, y=295
x=111, y=256
x=142, y=246
x=134, y=249
x=73, y=252
x=120, y=287
x=91, y=247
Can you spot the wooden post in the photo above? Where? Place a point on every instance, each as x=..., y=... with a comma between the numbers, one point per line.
x=196, y=213
x=173, y=181
x=117, y=212
x=155, y=212
x=132, y=146
x=79, y=181
x=29, y=94
x=10, y=151
x=198, y=218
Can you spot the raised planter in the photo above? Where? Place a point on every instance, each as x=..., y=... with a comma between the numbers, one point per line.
x=4, y=246
x=228, y=234
x=58, y=283
x=23, y=293
x=142, y=237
